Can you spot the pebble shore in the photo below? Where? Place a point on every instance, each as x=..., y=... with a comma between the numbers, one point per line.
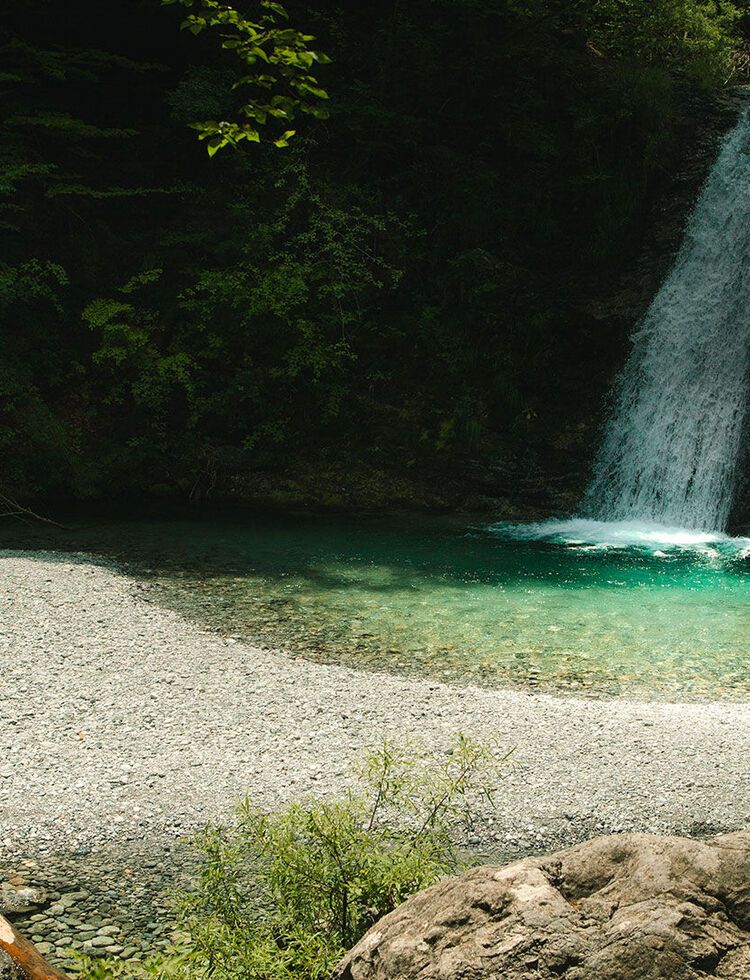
x=97, y=902
x=124, y=727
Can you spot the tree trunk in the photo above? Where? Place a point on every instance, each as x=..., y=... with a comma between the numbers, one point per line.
x=24, y=955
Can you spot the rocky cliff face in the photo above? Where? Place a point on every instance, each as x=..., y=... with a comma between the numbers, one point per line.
x=704, y=118
x=627, y=907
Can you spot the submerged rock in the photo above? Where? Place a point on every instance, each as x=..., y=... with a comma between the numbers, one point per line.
x=626, y=907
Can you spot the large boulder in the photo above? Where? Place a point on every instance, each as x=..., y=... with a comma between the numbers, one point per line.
x=626, y=907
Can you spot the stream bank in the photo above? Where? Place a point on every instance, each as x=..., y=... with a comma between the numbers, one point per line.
x=124, y=728
x=96, y=901
x=121, y=720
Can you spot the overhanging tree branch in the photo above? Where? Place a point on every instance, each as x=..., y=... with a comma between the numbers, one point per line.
x=277, y=63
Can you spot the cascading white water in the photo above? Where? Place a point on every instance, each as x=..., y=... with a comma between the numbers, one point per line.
x=670, y=449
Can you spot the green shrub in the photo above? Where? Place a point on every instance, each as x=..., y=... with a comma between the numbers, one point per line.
x=167, y=966
x=284, y=896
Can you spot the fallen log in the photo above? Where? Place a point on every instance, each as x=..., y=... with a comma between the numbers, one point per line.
x=23, y=953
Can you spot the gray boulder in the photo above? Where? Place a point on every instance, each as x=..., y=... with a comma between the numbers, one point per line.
x=626, y=907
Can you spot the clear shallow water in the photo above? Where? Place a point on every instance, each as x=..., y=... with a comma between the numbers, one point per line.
x=574, y=606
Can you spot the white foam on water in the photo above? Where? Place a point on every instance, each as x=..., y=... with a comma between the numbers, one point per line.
x=659, y=540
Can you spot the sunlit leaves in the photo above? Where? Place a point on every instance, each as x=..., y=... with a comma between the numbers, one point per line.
x=279, y=83
x=284, y=139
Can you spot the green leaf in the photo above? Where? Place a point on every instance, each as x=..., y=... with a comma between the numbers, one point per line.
x=283, y=140
x=291, y=88
x=277, y=8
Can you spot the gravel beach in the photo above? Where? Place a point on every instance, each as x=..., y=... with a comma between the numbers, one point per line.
x=120, y=721
x=124, y=727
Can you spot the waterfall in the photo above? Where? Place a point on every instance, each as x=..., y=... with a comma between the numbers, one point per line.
x=671, y=445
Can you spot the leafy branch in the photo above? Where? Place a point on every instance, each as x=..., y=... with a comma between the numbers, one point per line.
x=277, y=63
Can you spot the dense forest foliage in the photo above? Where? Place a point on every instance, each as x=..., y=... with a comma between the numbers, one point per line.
x=401, y=284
